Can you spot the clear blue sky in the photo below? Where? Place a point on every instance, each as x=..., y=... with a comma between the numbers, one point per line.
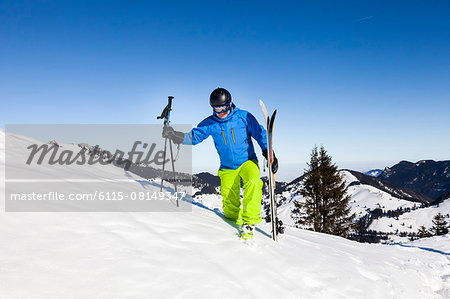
x=368, y=80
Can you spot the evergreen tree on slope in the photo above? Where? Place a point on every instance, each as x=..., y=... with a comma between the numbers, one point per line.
x=326, y=207
x=440, y=225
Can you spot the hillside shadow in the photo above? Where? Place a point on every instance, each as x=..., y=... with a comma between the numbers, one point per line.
x=144, y=183
x=424, y=248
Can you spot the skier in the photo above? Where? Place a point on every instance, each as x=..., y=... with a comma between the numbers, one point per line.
x=232, y=129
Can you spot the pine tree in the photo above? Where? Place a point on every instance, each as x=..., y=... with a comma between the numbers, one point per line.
x=440, y=225
x=326, y=206
x=423, y=232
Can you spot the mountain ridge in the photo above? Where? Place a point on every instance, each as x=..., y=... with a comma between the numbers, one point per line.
x=429, y=177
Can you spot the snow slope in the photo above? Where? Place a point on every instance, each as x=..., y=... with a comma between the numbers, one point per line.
x=364, y=197
x=411, y=221
x=198, y=255
x=439, y=244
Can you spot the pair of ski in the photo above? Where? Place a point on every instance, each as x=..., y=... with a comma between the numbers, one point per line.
x=269, y=120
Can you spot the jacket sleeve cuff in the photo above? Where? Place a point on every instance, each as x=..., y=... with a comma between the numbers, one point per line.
x=187, y=138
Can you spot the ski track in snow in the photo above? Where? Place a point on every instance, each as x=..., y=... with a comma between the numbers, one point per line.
x=198, y=255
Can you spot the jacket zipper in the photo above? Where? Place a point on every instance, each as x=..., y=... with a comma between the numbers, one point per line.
x=223, y=134
x=232, y=133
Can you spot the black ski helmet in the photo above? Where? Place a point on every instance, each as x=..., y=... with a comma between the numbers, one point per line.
x=219, y=97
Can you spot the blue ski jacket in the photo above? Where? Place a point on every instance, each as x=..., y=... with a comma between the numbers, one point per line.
x=232, y=137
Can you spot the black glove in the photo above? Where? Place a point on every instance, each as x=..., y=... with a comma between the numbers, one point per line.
x=175, y=136
x=274, y=162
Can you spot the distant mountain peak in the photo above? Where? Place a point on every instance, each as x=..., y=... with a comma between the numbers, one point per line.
x=428, y=177
x=374, y=172
x=388, y=187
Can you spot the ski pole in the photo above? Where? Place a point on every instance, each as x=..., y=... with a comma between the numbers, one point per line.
x=165, y=114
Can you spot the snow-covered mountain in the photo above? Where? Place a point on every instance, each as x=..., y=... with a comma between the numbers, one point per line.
x=374, y=172
x=411, y=220
x=387, y=209
x=197, y=254
x=390, y=188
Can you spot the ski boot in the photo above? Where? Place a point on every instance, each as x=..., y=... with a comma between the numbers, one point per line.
x=247, y=231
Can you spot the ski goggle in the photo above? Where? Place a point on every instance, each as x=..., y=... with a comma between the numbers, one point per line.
x=222, y=109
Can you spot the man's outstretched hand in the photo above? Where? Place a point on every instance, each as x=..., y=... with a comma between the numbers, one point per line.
x=175, y=136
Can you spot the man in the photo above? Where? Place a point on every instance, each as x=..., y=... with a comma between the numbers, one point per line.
x=232, y=130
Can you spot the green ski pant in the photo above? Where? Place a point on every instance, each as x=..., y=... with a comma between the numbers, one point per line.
x=230, y=181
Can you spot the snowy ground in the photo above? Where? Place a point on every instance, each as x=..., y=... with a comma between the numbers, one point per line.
x=198, y=255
